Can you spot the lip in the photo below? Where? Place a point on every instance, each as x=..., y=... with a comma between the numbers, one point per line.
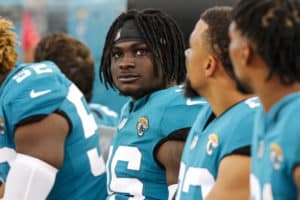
x=126, y=78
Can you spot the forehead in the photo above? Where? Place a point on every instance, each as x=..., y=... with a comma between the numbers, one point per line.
x=129, y=44
x=198, y=31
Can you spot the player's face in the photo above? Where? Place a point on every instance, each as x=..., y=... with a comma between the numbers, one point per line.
x=197, y=58
x=133, y=71
x=238, y=58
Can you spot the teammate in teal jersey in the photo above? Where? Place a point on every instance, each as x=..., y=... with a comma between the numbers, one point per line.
x=104, y=115
x=265, y=51
x=76, y=62
x=216, y=159
x=143, y=58
x=48, y=135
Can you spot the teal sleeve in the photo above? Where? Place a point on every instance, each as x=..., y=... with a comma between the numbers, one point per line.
x=178, y=117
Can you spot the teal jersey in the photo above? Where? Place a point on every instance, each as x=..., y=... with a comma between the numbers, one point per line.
x=276, y=151
x=132, y=170
x=103, y=115
x=36, y=90
x=209, y=142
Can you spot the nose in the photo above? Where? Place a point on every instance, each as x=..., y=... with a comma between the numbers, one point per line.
x=127, y=61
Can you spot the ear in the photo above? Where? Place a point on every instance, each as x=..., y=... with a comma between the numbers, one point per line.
x=211, y=66
x=247, y=53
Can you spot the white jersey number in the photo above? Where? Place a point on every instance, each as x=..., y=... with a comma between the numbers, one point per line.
x=8, y=155
x=194, y=177
x=133, y=186
x=256, y=190
x=253, y=102
x=89, y=129
x=37, y=68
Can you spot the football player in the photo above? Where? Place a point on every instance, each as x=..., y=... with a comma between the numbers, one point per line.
x=143, y=58
x=76, y=61
x=49, y=139
x=216, y=158
x=265, y=51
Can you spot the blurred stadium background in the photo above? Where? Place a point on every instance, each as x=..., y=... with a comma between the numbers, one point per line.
x=89, y=20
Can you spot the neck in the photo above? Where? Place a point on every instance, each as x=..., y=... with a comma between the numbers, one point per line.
x=163, y=87
x=269, y=96
x=223, y=95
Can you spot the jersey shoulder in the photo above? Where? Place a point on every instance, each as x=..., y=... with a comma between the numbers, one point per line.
x=37, y=89
x=33, y=77
x=104, y=115
x=174, y=96
x=178, y=111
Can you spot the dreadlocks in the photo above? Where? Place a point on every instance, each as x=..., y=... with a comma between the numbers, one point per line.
x=163, y=38
x=273, y=26
x=8, y=42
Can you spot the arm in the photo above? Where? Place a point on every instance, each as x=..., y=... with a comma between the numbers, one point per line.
x=40, y=152
x=44, y=139
x=169, y=155
x=233, y=179
x=297, y=179
x=1, y=189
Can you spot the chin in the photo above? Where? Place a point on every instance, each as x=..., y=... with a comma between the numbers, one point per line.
x=127, y=89
x=127, y=93
x=133, y=93
x=189, y=91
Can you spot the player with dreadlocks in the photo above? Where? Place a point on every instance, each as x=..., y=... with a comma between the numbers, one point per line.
x=49, y=140
x=143, y=58
x=265, y=50
x=8, y=60
x=161, y=35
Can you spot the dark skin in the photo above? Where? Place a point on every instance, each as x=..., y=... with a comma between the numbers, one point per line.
x=2, y=77
x=30, y=141
x=132, y=70
x=37, y=138
x=297, y=179
x=133, y=74
x=1, y=190
x=169, y=154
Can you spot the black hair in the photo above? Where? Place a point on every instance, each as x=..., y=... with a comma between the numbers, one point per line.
x=218, y=19
x=162, y=36
x=273, y=26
